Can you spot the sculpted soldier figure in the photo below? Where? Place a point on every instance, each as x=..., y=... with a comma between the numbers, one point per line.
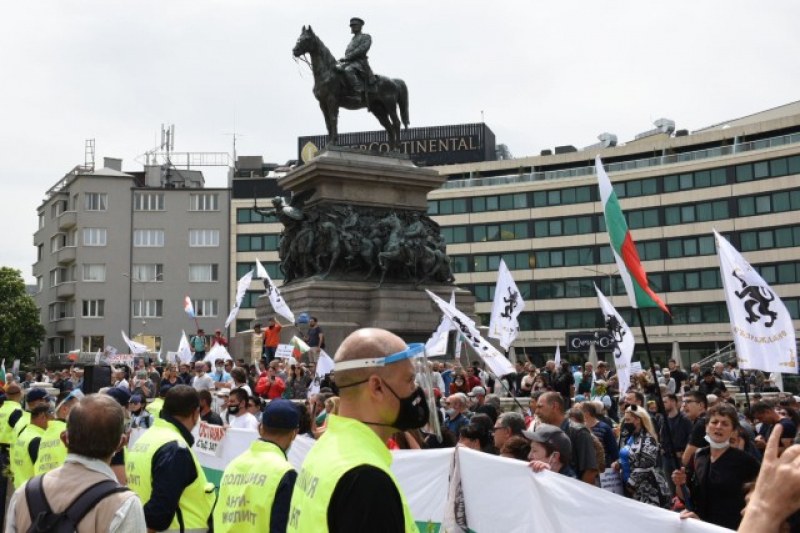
x=355, y=64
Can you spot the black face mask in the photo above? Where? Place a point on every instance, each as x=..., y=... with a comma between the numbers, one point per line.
x=414, y=410
x=233, y=409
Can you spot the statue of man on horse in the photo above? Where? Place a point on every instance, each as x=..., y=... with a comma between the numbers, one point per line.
x=355, y=63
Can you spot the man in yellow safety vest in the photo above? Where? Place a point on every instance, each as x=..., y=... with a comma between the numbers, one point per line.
x=25, y=450
x=346, y=483
x=256, y=487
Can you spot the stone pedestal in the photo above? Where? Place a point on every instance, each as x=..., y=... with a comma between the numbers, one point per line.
x=344, y=303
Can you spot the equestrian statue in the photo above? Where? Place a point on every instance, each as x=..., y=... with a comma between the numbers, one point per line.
x=350, y=83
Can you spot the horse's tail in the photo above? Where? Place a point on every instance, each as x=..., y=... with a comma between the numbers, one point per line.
x=402, y=101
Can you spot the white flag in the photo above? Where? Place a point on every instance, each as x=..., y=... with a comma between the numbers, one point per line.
x=136, y=347
x=241, y=289
x=558, y=356
x=437, y=344
x=261, y=272
x=761, y=325
x=184, y=350
x=495, y=360
x=624, y=341
x=217, y=351
x=275, y=298
x=324, y=365
x=507, y=306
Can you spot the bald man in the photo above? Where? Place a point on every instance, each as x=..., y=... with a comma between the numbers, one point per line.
x=346, y=483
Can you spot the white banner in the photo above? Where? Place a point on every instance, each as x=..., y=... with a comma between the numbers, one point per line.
x=495, y=360
x=279, y=305
x=437, y=343
x=120, y=359
x=284, y=351
x=184, y=350
x=136, y=347
x=623, y=337
x=507, y=306
x=241, y=288
x=762, y=326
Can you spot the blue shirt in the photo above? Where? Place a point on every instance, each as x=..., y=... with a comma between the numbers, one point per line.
x=220, y=378
x=456, y=423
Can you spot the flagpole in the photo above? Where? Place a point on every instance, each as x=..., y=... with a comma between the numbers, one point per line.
x=670, y=446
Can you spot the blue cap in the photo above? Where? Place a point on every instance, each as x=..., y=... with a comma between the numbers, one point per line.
x=136, y=398
x=122, y=396
x=280, y=414
x=36, y=394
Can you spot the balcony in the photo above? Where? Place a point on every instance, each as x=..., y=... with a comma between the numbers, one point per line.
x=65, y=290
x=67, y=219
x=66, y=255
x=65, y=325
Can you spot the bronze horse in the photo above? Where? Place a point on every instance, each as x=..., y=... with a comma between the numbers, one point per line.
x=332, y=91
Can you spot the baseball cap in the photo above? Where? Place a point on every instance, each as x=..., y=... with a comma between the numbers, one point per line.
x=280, y=414
x=122, y=396
x=136, y=398
x=36, y=394
x=555, y=437
x=477, y=391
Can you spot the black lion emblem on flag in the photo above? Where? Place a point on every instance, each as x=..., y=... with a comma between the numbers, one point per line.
x=511, y=303
x=617, y=333
x=756, y=301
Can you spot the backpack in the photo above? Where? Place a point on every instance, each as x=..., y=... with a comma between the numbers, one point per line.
x=44, y=520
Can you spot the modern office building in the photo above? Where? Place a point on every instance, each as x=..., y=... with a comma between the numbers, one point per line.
x=119, y=251
x=542, y=215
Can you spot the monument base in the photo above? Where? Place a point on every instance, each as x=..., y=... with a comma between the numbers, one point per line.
x=343, y=307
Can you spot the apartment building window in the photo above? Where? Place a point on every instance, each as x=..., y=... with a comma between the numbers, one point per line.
x=203, y=238
x=257, y=243
x=94, y=272
x=94, y=236
x=248, y=216
x=39, y=284
x=148, y=201
x=57, y=208
x=57, y=242
x=205, y=308
x=59, y=310
x=95, y=201
x=58, y=276
x=93, y=308
x=39, y=252
x=148, y=238
x=92, y=343
x=147, y=308
x=41, y=220
x=206, y=201
x=203, y=273
x=148, y=272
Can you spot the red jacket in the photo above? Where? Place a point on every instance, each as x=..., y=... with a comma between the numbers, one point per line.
x=270, y=390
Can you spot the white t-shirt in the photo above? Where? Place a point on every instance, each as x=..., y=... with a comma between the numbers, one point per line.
x=245, y=421
x=203, y=382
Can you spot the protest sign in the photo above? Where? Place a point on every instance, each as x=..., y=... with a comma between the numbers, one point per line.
x=120, y=359
x=284, y=351
x=209, y=439
x=636, y=368
x=610, y=481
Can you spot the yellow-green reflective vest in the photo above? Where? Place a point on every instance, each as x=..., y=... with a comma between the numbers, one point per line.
x=21, y=462
x=52, y=451
x=197, y=499
x=248, y=487
x=154, y=407
x=346, y=444
x=6, y=431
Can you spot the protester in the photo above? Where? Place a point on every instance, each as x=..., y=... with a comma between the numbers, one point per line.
x=459, y=383
x=219, y=339
x=346, y=482
x=201, y=380
x=261, y=480
x=140, y=416
x=638, y=460
x=120, y=379
x=564, y=383
x=315, y=338
x=716, y=479
x=478, y=396
x=94, y=433
x=551, y=449
x=299, y=381
x=508, y=425
x=583, y=458
x=769, y=418
x=470, y=436
x=270, y=386
x=694, y=407
x=272, y=338
x=601, y=430
x=457, y=414
x=254, y=407
x=238, y=415
x=163, y=470
x=710, y=384
x=142, y=386
x=222, y=379
x=518, y=448
x=239, y=377
x=207, y=415
x=198, y=345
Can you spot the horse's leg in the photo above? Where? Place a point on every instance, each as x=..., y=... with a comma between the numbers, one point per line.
x=326, y=114
x=395, y=124
x=383, y=118
x=334, y=107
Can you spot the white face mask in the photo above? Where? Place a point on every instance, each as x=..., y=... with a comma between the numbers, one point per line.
x=717, y=445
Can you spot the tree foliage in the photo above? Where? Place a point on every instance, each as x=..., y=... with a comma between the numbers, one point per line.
x=21, y=332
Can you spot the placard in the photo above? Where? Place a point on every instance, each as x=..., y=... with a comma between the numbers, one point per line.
x=636, y=368
x=284, y=351
x=611, y=481
x=209, y=439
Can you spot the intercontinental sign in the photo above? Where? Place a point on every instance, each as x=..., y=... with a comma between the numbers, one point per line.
x=437, y=145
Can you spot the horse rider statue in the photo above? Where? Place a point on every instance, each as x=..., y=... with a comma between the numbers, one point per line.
x=355, y=64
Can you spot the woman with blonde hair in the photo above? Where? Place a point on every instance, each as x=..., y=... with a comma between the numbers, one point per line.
x=638, y=460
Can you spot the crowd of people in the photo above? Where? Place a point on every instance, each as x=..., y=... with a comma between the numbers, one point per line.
x=699, y=456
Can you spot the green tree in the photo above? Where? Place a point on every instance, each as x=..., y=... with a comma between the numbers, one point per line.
x=21, y=332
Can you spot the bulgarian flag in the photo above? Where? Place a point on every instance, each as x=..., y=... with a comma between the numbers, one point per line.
x=628, y=262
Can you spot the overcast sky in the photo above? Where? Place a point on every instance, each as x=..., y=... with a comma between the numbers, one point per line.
x=542, y=73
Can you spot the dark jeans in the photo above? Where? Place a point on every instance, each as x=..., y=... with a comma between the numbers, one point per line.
x=269, y=353
x=198, y=356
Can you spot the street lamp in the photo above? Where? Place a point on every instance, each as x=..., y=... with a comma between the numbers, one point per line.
x=610, y=276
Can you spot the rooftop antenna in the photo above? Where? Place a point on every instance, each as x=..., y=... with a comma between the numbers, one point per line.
x=88, y=155
x=482, y=121
x=167, y=145
x=234, y=135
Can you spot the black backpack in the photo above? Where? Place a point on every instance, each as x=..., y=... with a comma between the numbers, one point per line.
x=44, y=520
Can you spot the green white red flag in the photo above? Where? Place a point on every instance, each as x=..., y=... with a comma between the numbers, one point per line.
x=627, y=257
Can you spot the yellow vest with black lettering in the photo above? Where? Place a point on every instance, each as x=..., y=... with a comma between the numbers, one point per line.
x=154, y=407
x=248, y=487
x=21, y=462
x=345, y=445
x=52, y=452
x=6, y=431
x=197, y=499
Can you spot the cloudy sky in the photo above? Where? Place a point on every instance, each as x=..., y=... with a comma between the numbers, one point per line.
x=542, y=74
